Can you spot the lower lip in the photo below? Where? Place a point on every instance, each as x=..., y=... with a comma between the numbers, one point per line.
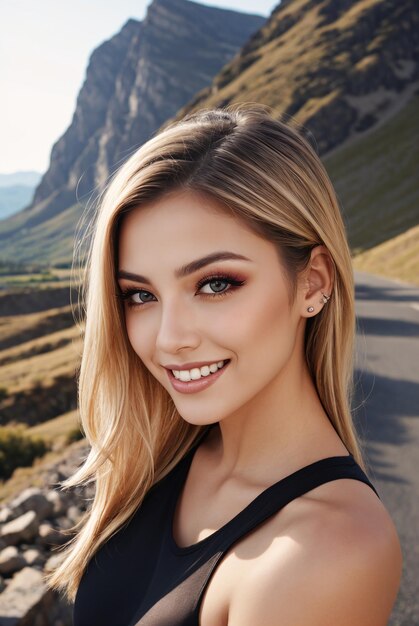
x=195, y=385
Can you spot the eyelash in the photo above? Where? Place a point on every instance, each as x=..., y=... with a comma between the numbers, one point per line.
x=234, y=281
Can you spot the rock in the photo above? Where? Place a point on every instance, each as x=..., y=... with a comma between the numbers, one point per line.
x=23, y=528
x=33, y=556
x=73, y=513
x=25, y=592
x=53, y=562
x=32, y=499
x=6, y=514
x=50, y=536
x=58, y=501
x=11, y=561
x=27, y=601
x=64, y=523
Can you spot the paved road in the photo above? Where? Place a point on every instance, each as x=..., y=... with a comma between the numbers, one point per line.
x=387, y=415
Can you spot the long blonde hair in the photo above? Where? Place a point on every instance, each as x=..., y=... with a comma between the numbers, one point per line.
x=266, y=172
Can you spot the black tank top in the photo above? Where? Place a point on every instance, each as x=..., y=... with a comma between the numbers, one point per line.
x=141, y=577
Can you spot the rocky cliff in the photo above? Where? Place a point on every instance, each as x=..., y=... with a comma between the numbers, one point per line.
x=32, y=527
x=342, y=68
x=133, y=83
x=337, y=66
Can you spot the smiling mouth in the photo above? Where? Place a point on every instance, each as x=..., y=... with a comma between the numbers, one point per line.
x=198, y=373
x=200, y=383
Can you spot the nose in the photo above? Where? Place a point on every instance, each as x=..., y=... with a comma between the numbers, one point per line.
x=177, y=329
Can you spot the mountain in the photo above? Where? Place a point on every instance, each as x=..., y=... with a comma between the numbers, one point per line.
x=134, y=82
x=339, y=66
x=28, y=178
x=16, y=191
x=347, y=70
x=14, y=198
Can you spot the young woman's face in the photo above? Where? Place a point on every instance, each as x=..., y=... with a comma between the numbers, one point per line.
x=231, y=309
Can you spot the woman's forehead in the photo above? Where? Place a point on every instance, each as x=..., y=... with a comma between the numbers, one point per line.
x=166, y=238
x=179, y=221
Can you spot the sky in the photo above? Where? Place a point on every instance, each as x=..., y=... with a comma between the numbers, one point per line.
x=44, y=51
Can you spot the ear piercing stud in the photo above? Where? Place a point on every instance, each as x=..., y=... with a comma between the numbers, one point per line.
x=325, y=299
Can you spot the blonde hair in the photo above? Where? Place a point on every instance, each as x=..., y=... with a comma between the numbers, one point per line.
x=266, y=173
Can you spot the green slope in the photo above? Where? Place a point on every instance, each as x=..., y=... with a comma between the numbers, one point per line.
x=376, y=177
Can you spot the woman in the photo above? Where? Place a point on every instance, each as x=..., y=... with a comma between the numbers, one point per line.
x=215, y=390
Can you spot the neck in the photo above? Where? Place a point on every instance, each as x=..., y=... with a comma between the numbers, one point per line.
x=286, y=427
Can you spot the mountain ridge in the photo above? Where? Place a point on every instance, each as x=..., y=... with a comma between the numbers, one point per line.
x=176, y=49
x=339, y=69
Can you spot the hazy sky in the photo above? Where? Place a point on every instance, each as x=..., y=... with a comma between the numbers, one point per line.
x=44, y=51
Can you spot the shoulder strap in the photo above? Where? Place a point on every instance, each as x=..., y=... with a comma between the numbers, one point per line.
x=289, y=488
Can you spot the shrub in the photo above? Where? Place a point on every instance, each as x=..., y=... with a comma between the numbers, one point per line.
x=18, y=449
x=75, y=434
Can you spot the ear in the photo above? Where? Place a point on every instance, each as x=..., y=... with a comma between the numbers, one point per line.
x=319, y=280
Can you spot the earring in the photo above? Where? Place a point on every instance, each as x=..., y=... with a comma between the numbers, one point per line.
x=310, y=309
x=325, y=299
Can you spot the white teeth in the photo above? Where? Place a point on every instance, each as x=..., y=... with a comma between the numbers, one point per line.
x=197, y=372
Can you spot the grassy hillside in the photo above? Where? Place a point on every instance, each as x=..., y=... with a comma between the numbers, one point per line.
x=39, y=356
x=19, y=329
x=338, y=68
x=34, y=476
x=56, y=234
x=375, y=176
x=40, y=360
x=348, y=73
x=396, y=258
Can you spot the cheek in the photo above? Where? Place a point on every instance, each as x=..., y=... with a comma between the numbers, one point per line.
x=261, y=320
x=138, y=338
x=263, y=331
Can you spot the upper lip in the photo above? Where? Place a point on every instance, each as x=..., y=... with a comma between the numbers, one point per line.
x=190, y=366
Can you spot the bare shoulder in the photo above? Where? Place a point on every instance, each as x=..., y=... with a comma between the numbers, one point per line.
x=333, y=563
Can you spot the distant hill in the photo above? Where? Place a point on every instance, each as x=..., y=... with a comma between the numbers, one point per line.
x=28, y=178
x=14, y=198
x=134, y=82
x=348, y=70
x=16, y=191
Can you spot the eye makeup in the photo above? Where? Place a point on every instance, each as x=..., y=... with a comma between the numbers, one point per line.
x=232, y=280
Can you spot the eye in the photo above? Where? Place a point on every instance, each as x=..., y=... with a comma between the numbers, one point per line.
x=126, y=295
x=217, y=283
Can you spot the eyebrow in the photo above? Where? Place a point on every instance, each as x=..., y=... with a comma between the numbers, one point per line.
x=189, y=268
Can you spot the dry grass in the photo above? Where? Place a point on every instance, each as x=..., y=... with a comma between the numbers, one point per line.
x=397, y=258
x=40, y=345
x=14, y=328
x=56, y=431
x=34, y=476
x=284, y=59
x=38, y=364
x=43, y=368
